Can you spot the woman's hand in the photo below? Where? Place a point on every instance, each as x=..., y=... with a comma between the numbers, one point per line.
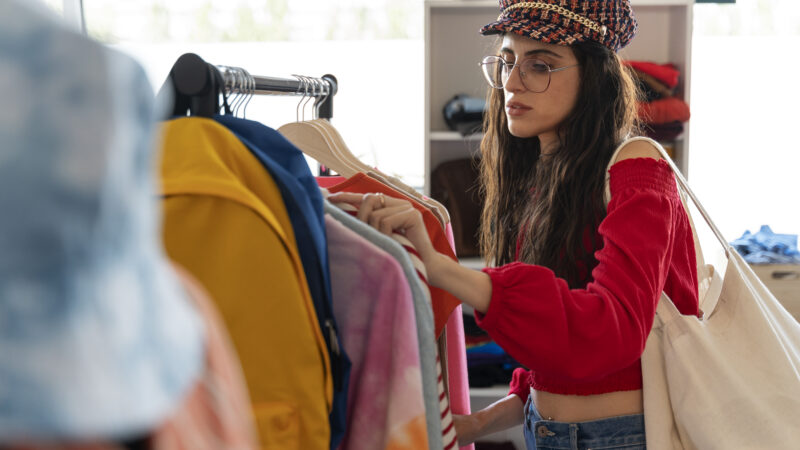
x=387, y=215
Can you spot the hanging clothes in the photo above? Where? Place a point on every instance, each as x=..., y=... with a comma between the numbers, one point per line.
x=449, y=438
x=423, y=316
x=373, y=304
x=225, y=221
x=298, y=188
x=443, y=302
x=92, y=316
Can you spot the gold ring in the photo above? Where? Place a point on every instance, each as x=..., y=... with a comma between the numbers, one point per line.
x=383, y=200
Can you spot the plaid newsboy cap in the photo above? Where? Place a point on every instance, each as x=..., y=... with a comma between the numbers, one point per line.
x=566, y=22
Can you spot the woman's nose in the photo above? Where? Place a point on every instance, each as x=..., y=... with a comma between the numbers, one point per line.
x=514, y=81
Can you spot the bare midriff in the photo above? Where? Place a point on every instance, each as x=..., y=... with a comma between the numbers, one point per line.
x=582, y=408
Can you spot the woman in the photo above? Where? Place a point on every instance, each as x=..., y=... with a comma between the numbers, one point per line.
x=576, y=283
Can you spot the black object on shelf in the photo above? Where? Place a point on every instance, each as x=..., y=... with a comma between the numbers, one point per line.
x=464, y=114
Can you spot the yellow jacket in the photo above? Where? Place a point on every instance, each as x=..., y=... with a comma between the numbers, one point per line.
x=225, y=221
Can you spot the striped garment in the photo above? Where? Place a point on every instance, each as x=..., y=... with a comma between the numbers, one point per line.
x=449, y=437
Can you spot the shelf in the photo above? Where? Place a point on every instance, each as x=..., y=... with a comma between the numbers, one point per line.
x=498, y=392
x=451, y=136
x=473, y=262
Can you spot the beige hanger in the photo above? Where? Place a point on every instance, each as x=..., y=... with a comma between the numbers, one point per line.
x=346, y=155
x=315, y=142
x=319, y=139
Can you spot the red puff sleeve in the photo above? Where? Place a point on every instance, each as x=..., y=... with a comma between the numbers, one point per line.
x=585, y=335
x=520, y=384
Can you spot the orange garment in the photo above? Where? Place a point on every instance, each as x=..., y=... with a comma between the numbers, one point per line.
x=443, y=302
x=226, y=223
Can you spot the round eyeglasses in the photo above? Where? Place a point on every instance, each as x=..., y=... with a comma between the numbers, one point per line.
x=534, y=73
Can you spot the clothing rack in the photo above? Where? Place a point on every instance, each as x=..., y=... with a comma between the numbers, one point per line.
x=197, y=87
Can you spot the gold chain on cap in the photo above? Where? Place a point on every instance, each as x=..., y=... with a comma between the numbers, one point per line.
x=588, y=23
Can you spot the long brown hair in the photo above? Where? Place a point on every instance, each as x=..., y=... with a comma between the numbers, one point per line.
x=557, y=199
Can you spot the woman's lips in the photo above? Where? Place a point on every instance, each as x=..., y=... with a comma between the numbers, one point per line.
x=516, y=109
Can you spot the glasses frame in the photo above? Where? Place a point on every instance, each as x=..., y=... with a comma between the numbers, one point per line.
x=493, y=59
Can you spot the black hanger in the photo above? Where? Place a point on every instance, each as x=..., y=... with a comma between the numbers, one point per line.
x=196, y=87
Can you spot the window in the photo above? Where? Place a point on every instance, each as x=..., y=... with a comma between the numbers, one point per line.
x=374, y=48
x=745, y=151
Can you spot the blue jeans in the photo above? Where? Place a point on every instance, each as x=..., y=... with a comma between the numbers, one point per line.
x=622, y=432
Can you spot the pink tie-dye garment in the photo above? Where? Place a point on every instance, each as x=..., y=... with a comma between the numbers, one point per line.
x=373, y=306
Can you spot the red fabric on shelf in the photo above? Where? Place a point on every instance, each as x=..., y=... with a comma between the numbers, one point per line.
x=664, y=110
x=665, y=73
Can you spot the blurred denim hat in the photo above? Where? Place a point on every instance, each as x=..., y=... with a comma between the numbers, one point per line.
x=97, y=337
x=566, y=22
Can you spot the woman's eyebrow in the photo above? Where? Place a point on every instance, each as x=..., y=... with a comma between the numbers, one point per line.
x=542, y=51
x=538, y=51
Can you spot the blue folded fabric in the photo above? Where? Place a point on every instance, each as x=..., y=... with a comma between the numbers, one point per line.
x=767, y=247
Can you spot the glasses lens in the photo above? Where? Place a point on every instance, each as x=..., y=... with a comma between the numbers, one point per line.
x=492, y=67
x=535, y=75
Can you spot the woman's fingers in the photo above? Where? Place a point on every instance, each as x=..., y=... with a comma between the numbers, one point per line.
x=346, y=197
x=388, y=219
x=387, y=215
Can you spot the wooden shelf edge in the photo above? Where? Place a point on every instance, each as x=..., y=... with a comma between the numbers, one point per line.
x=499, y=391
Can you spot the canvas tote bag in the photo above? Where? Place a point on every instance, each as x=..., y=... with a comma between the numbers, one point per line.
x=730, y=380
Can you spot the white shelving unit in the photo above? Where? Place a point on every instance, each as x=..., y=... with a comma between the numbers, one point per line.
x=453, y=48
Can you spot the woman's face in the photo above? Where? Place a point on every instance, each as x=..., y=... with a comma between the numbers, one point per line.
x=539, y=113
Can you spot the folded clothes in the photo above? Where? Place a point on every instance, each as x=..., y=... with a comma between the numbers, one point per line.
x=651, y=87
x=664, y=110
x=767, y=247
x=474, y=341
x=487, y=349
x=665, y=73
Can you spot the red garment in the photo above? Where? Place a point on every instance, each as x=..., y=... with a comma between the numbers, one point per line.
x=443, y=302
x=328, y=181
x=665, y=73
x=590, y=341
x=663, y=110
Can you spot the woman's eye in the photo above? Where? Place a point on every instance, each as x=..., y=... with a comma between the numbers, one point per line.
x=538, y=67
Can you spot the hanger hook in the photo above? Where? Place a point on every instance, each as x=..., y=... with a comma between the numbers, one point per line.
x=321, y=98
x=234, y=79
x=313, y=85
x=242, y=92
x=251, y=89
x=303, y=87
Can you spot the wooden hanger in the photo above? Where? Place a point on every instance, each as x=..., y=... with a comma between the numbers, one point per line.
x=314, y=142
x=439, y=210
x=319, y=139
